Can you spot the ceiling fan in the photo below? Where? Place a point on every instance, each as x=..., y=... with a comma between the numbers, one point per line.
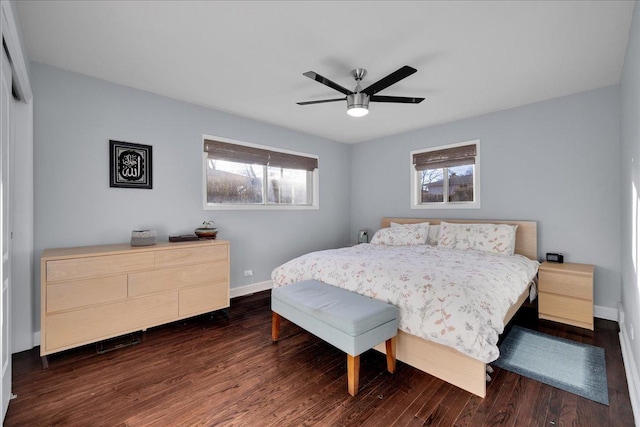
x=358, y=99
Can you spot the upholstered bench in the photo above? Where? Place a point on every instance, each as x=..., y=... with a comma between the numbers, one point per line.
x=351, y=322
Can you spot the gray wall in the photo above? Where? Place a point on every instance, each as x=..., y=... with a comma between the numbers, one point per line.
x=21, y=203
x=630, y=190
x=75, y=117
x=556, y=162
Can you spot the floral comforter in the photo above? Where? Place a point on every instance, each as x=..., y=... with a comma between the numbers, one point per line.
x=453, y=297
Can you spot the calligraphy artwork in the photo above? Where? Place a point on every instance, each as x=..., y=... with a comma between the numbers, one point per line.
x=130, y=165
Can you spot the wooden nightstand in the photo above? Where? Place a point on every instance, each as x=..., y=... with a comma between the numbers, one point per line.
x=566, y=293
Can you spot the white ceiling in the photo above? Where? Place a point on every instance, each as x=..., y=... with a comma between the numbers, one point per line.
x=247, y=58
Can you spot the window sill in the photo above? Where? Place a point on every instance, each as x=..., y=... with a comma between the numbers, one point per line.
x=475, y=205
x=231, y=207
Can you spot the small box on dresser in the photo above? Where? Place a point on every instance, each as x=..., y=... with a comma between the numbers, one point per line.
x=93, y=293
x=566, y=293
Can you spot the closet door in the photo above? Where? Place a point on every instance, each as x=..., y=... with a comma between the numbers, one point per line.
x=5, y=338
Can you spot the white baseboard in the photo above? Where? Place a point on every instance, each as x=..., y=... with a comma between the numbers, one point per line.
x=250, y=289
x=607, y=313
x=632, y=374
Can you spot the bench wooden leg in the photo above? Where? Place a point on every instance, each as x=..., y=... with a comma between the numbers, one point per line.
x=390, y=345
x=353, y=373
x=275, y=326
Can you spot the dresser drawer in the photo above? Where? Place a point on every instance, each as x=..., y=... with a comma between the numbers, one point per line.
x=82, y=268
x=149, y=282
x=190, y=255
x=78, y=327
x=76, y=294
x=566, y=284
x=203, y=299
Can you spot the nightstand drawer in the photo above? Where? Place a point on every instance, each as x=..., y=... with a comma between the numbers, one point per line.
x=566, y=284
x=566, y=309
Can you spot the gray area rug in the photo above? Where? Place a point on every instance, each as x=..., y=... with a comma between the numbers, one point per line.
x=564, y=364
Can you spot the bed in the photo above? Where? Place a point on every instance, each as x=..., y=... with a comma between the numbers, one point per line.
x=453, y=303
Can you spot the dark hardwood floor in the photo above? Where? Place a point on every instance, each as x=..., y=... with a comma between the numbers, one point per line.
x=210, y=370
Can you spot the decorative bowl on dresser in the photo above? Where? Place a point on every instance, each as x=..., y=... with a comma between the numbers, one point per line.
x=206, y=233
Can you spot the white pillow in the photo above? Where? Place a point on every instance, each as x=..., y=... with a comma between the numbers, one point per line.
x=447, y=236
x=419, y=227
x=494, y=238
x=402, y=234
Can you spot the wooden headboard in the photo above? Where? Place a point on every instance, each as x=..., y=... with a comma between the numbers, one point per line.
x=526, y=234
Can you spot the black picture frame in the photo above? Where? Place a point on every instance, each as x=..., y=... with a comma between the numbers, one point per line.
x=130, y=165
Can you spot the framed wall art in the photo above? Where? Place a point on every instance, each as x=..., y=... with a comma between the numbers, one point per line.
x=130, y=165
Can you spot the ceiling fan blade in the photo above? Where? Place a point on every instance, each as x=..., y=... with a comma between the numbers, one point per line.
x=401, y=99
x=321, y=101
x=325, y=81
x=392, y=78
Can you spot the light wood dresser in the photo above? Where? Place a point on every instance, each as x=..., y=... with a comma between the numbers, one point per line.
x=566, y=293
x=93, y=293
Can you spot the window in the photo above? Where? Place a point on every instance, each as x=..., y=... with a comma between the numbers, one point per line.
x=245, y=176
x=446, y=177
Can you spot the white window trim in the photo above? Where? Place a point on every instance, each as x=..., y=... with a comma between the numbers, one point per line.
x=315, y=205
x=414, y=178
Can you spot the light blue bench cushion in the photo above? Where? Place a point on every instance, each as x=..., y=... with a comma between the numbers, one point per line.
x=354, y=323
x=347, y=311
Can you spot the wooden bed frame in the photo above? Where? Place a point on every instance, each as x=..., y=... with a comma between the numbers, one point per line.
x=445, y=362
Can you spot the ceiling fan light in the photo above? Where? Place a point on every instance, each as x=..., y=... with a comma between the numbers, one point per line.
x=357, y=111
x=358, y=104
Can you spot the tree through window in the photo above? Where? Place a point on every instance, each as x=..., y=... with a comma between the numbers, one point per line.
x=446, y=176
x=242, y=175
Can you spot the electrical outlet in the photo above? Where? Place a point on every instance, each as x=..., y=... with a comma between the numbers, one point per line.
x=248, y=273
